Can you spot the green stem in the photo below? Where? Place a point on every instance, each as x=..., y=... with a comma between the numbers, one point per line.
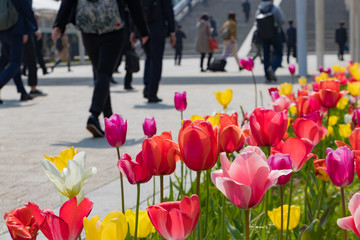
x=254, y=80
x=161, y=188
x=328, y=119
x=282, y=213
x=292, y=79
x=154, y=191
x=343, y=208
x=223, y=218
x=137, y=210
x=121, y=185
x=247, y=225
x=290, y=198
x=266, y=210
x=305, y=191
x=181, y=180
x=207, y=200
x=323, y=185
x=198, y=176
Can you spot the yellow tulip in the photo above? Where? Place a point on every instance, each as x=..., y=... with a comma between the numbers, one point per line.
x=224, y=98
x=342, y=69
x=61, y=161
x=145, y=226
x=302, y=81
x=317, y=79
x=275, y=216
x=336, y=68
x=214, y=120
x=333, y=120
x=114, y=226
x=285, y=89
x=324, y=76
x=196, y=117
x=354, y=88
x=293, y=109
x=345, y=130
x=330, y=131
x=343, y=102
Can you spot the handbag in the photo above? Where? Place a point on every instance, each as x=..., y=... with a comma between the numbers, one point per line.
x=132, y=61
x=225, y=33
x=213, y=44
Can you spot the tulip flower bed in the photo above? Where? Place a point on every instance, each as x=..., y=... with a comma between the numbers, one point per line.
x=284, y=172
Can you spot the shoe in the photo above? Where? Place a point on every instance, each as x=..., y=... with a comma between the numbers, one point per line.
x=93, y=126
x=37, y=93
x=113, y=81
x=271, y=74
x=241, y=68
x=145, y=94
x=129, y=88
x=69, y=70
x=52, y=69
x=1, y=101
x=24, y=97
x=202, y=70
x=154, y=100
x=267, y=81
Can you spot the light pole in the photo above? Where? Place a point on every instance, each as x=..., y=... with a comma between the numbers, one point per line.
x=301, y=36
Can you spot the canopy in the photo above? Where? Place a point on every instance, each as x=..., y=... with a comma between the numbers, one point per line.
x=46, y=5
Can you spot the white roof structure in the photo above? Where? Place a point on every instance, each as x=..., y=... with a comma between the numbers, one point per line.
x=46, y=5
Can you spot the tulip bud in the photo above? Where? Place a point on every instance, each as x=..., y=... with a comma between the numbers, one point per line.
x=340, y=166
x=180, y=101
x=292, y=69
x=281, y=161
x=248, y=64
x=115, y=130
x=320, y=173
x=149, y=127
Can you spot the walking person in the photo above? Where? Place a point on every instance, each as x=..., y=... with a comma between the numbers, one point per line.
x=291, y=41
x=12, y=40
x=202, y=40
x=103, y=39
x=341, y=39
x=229, y=40
x=62, y=54
x=213, y=27
x=269, y=21
x=180, y=35
x=246, y=10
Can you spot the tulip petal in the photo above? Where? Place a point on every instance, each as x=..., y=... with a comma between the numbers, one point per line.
x=348, y=224
x=239, y=194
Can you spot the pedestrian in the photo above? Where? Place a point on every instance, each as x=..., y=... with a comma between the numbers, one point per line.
x=161, y=23
x=229, y=40
x=341, y=39
x=39, y=49
x=12, y=40
x=62, y=54
x=103, y=39
x=291, y=40
x=213, y=27
x=180, y=35
x=269, y=21
x=246, y=9
x=202, y=40
x=257, y=44
x=189, y=4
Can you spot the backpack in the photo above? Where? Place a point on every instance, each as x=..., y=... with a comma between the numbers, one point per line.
x=58, y=44
x=98, y=16
x=8, y=15
x=266, y=25
x=151, y=9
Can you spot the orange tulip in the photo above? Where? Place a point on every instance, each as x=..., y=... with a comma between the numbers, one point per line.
x=319, y=166
x=329, y=93
x=307, y=128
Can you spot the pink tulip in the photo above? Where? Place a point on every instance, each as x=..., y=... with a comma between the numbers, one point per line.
x=180, y=101
x=281, y=104
x=307, y=128
x=340, y=166
x=135, y=171
x=352, y=222
x=115, y=130
x=292, y=69
x=175, y=220
x=68, y=225
x=245, y=181
x=274, y=93
x=281, y=161
x=248, y=64
x=149, y=127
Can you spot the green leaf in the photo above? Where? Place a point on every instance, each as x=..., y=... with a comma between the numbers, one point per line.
x=233, y=231
x=327, y=212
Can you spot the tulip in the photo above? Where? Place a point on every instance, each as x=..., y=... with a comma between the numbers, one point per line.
x=267, y=126
x=329, y=93
x=180, y=101
x=231, y=137
x=145, y=226
x=275, y=216
x=307, y=105
x=354, y=88
x=340, y=166
x=302, y=81
x=70, y=180
x=175, y=220
x=226, y=120
x=245, y=180
x=224, y=98
x=343, y=102
x=285, y=89
x=248, y=64
x=68, y=225
x=21, y=224
x=345, y=130
x=61, y=161
x=336, y=68
x=274, y=93
x=214, y=120
x=198, y=142
x=114, y=226
x=135, y=171
x=281, y=161
x=292, y=69
x=281, y=104
x=320, y=173
x=322, y=70
x=352, y=222
x=149, y=127
x=307, y=128
x=115, y=130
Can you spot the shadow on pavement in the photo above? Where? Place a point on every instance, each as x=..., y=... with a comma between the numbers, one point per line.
x=157, y=106
x=96, y=143
x=14, y=104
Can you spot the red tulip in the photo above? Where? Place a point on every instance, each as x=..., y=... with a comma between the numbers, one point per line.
x=315, y=86
x=248, y=64
x=160, y=154
x=180, y=101
x=135, y=171
x=281, y=161
x=292, y=69
x=149, y=127
x=307, y=105
x=198, y=142
x=307, y=128
x=115, y=130
x=68, y=225
x=329, y=93
x=21, y=224
x=231, y=137
x=267, y=126
x=175, y=220
x=226, y=120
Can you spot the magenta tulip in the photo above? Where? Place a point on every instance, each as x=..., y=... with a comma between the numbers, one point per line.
x=149, y=127
x=340, y=166
x=175, y=220
x=115, y=130
x=245, y=180
x=135, y=171
x=248, y=64
x=281, y=161
x=292, y=69
x=352, y=222
x=180, y=101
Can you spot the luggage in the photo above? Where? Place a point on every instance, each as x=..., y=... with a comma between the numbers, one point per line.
x=218, y=65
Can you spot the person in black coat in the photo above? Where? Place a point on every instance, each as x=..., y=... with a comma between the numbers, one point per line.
x=341, y=39
x=291, y=40
x=12, y=45
x=103, y=50
x=246, y=10
x=179, y=34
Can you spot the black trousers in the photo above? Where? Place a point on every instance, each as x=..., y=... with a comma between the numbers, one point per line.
x=103, y=51
x=291, y=48
x=341, y=51
x=30, y=60
x=202, y=57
